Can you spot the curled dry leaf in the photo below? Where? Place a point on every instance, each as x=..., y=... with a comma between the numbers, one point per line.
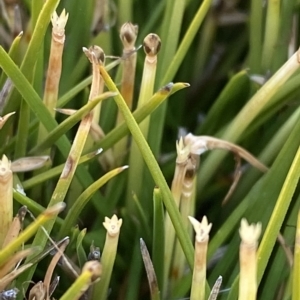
x=52, y=265
x=200, y=144
x=152, y=280
x=16, y=226
x=6, y=280
x=12, y=261
x=29, y=163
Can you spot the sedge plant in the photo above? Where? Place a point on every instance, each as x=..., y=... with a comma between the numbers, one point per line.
x=225, y=81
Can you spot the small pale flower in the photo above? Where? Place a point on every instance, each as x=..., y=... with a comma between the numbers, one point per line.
x=183, y=151
x=59, y=22
x=250, y=233
x=202, y=228
x=112, y=225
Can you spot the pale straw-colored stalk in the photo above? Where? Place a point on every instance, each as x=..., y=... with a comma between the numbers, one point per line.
x=100, y=84
x=113, y=227
x=249, y=234
x=16, y=226
x=97, y=109
x=151, y=47
x=6, y=280
x=6, y=198
x=55, y=260
x=55, y=60
x=95, y=55
x=202, y=230
x=53, y=76
x=11, y=263
x=176, y=189
x=55, y=65
x=186, y=209
x=107, y=158
x=128, y=35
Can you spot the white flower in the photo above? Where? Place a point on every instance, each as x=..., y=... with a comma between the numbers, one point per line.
x=183, y=151
x=202, y=229
x=112, y=225
x=59, y=22
x=250, y=233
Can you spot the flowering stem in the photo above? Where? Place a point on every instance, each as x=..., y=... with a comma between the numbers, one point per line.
x=202, y=230
x=176, y=189
x=248, y=260
x=113, y=227
x=128, y=34
x=55, y=66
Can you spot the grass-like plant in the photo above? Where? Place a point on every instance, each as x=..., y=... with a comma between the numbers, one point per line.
x=161, y=91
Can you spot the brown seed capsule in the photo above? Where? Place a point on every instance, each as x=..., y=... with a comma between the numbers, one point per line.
x=95, y=51
x=128, y=34
x=152, y=44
